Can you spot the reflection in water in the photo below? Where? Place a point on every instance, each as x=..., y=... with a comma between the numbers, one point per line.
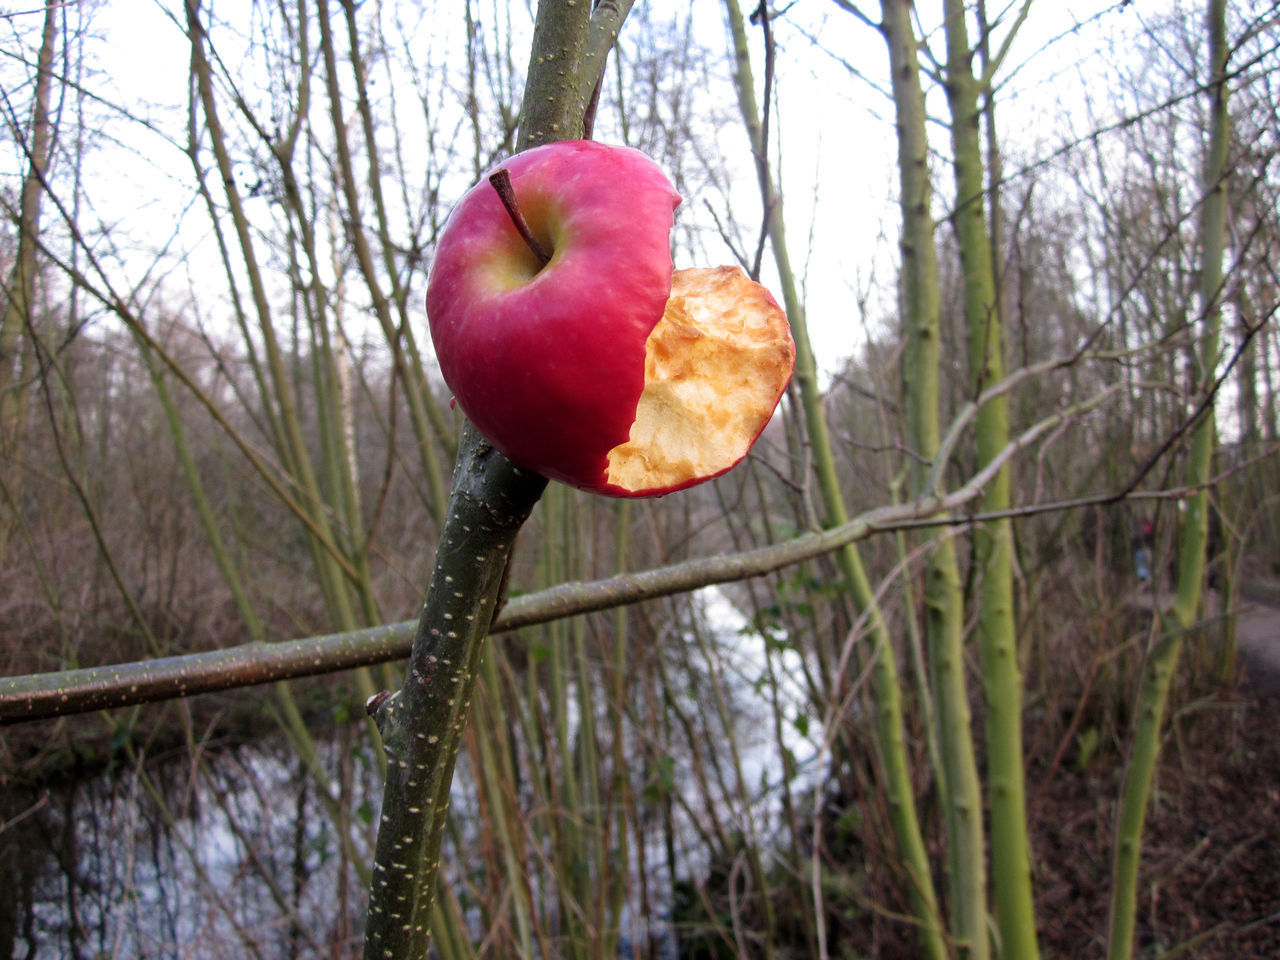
x=233, y=854
x=572, y=834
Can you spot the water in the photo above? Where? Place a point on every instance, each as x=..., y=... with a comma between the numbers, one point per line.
x=235, y=852
x=229, y=855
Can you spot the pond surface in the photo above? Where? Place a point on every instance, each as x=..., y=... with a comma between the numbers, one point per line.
x=231, y=854
x=240, y=851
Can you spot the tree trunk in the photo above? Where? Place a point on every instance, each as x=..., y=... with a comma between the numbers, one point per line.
x=21, y=288
x=993, y=556
x=1162, y=660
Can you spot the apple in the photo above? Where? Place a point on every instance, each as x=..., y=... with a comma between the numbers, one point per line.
x=571, y=343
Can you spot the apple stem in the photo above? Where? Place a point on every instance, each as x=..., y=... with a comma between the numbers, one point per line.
x=501, y=182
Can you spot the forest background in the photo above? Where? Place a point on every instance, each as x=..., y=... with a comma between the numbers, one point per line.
x=896, y=686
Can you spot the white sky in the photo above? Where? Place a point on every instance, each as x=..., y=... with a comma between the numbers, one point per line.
x=838, y=131
x=835, y=130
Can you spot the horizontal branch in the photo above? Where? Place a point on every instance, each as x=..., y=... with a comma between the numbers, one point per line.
x=40, y=696
x=43, y=695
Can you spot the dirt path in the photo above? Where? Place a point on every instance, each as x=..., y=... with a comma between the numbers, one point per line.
x=1257, y=629
x=1258, y=638
x=1211, y=847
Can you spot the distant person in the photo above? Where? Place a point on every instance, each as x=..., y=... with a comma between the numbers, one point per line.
x=1142, y=552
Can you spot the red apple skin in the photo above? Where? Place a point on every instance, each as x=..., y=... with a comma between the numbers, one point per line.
x=549, y=364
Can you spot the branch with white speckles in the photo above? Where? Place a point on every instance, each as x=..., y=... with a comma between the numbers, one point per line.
x=421, y=724
x=40, y=696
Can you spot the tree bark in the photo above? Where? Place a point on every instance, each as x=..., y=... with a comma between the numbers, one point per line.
x=993, y=554
x=1162, y=659
x=422, y=723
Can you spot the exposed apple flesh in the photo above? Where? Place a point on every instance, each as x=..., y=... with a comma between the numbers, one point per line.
x=592, y=368
x=715, y=367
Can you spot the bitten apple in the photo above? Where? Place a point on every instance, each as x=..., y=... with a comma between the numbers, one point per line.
x=601, y=367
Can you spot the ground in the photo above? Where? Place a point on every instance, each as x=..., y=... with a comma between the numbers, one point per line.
x=1210, y=886
x=1258, y=634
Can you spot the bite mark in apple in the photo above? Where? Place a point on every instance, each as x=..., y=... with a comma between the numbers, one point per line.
x=578, y=355
x=715, y=367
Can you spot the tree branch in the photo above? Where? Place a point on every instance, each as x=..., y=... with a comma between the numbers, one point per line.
x=422, y=723
x=40, y=696
x=557, y=90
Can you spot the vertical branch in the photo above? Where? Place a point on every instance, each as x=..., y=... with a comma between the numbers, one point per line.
x=21, y=287
x=1162, y=660
x=291, y=442
x=558, y=56
x=943, y=613
x=885, y=677
x=429, y=431
x=993, y=558
x=422, y=723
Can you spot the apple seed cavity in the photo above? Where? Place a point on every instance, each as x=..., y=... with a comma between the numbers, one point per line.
x=716, y=365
